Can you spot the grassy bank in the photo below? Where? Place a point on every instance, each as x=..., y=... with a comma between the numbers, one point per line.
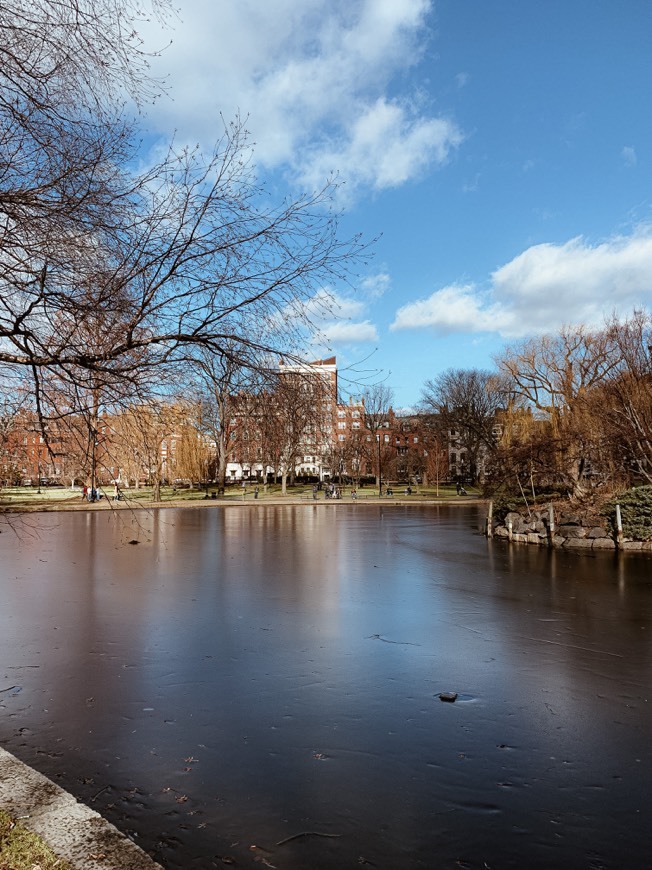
x=22, y=850
x=52, y=498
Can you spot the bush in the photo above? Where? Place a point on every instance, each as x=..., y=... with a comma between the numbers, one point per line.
x=635, y=511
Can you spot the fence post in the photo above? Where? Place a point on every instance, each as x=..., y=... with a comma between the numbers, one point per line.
x=619, y=529
x=551, y=525
x=490, y=520
x=509, y=530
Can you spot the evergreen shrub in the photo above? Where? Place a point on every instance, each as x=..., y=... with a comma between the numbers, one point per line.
x=635, y=511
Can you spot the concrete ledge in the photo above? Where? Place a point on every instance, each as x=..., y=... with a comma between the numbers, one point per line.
x=71, y=829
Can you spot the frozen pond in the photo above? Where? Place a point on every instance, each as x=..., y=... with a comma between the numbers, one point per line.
x=245, y=675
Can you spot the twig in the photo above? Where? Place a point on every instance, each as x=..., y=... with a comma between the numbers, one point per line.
x=307, y=834
x=93, y=799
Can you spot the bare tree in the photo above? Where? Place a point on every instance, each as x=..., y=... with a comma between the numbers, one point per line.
x=141, y=434
x=556, y=375
x=293, y=420
x=220, y=383
x=125, y=275
x=468, y=402
x=623, y=402
x=377, y=400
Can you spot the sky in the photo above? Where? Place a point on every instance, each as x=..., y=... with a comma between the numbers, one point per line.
x=500, y=153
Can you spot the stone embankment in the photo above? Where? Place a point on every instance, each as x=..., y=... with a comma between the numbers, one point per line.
x=549, y=528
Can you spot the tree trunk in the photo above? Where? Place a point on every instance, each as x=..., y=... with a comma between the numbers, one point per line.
x=221, y=464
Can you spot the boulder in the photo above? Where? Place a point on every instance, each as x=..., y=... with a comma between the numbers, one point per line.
x=597, y=532
x=578, y=543
x=571, y=531
x=604, y=544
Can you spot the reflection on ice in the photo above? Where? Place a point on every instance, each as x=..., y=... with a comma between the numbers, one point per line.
x=271, y=677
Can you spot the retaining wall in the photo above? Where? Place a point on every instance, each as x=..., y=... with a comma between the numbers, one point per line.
x=571, y=531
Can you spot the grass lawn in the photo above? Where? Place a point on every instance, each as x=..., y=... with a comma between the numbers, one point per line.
x=29, y=496
x=22, y=850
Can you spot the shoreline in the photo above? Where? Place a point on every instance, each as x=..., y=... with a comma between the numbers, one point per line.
x=236, y=501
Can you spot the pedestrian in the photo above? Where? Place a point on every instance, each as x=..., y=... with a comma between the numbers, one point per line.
x=116, y=491
x=84, y=492
x=256, y=493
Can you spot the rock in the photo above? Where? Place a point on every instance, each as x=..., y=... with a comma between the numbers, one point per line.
x=571, y=531
x=501, y=532
x=604, y=544
x=633, y=545
x=534, y=538
x=597, y=532
x=578, y=543
x=451, y=697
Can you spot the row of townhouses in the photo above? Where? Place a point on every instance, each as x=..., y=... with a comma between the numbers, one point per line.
x=327, y=440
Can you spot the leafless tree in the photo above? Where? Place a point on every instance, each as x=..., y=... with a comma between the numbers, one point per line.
x=556, y=375
x=122, y=276
x=377, y=400
x=294, y=421
x=468, y=402
x=623, y=402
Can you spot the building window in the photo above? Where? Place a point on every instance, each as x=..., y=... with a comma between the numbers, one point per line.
x=386, y=439
x=355, y=424
x=341, y=437
x=415, y=440
x=341, y=413
x=341, y=425
x=355, y=414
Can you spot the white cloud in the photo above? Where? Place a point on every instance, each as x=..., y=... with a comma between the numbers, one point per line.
x=383, y=148
x=375, y=286
x=629, y=156
x=350, y=333
x=314, y=81
x=456, y=308
x=544, y=288
x=327, y=305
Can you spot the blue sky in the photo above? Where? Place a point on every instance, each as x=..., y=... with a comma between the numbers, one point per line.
x=501, y=150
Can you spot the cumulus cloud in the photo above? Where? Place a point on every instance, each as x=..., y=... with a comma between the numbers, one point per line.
x=456, y=308
x=542, y=289
x=350, y=333
x=334, y=319
x=383, y=148
x=317, y=82
x=375, y=286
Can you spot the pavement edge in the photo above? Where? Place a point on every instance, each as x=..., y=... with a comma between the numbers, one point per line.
x=71, y=829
